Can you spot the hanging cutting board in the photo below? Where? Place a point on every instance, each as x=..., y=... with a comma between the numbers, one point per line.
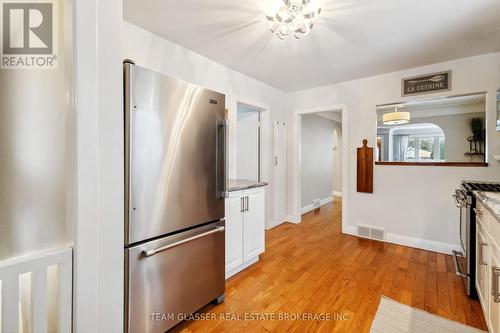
x=365, y=168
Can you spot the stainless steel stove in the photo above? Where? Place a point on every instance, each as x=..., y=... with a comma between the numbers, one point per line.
x=465, y=260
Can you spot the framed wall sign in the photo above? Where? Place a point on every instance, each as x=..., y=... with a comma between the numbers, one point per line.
x=425, y=84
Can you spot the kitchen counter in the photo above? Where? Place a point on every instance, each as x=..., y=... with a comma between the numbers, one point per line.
x=243, y=184
x=491, y=200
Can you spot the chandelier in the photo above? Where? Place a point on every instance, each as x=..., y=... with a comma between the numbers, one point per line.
x=292, y=17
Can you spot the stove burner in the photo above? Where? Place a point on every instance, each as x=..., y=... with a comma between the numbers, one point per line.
x=487, y=187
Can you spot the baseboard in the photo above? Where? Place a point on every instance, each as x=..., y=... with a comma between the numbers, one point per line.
x=337, y=194
x=349, y=230
x=423, y=244
x=273, y=224
x=241, y=267
x=418, y=243
x=293, y=219
x=311, y=207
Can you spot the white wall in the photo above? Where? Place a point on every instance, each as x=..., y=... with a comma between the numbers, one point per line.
x=158, y=54
x=413, y=203
x=317, y=158
x=34, y=164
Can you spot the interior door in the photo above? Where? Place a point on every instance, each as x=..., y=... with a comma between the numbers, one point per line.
x=234, y=232
x=253, y=223
x=279, y=214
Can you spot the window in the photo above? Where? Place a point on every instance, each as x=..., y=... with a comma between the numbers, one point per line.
x=417, y=143
x=425, y=149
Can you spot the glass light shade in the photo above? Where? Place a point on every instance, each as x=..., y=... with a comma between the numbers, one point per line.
x=396, y=118
x=291, y=17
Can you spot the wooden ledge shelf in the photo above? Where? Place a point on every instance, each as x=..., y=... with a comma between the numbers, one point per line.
x=440, y=164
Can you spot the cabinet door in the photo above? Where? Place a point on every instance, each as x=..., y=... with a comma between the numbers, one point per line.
x=482, y=266
x=253, y=224
x=234, y=232
x=494, y=311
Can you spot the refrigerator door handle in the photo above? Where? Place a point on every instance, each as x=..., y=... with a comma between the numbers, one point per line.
x=222, y=179
x=187, y=240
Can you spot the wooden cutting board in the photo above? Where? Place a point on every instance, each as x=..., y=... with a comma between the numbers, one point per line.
x=365, y=168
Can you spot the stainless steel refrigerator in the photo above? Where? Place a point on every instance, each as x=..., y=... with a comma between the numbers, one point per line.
x=175, y=171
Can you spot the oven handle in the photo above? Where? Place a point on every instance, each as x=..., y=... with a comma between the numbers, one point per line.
x=495, y=274
x=190, y=239
x=455, y=262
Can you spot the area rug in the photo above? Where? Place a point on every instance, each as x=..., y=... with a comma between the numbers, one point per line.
x=394, y=317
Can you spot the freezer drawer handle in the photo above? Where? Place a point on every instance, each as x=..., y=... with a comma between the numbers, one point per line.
x=150, y=253
x=455, y=261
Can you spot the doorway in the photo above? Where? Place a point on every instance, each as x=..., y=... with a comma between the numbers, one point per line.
x=296, y=161
x=321, y=159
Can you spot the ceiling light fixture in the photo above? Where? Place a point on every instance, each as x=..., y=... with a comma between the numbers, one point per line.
x=292, y=17
x=396, y=117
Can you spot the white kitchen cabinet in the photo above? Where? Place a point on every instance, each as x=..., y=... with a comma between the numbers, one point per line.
x=253, y=224
x=245, y=225
x=488, y=266
x=482, y=265
x=234, y=233
x=494, y=295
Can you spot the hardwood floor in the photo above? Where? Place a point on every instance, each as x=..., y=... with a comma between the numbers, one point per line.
x=313, y=268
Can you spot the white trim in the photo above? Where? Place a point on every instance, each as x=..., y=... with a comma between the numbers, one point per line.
x=418, y=243
x=337, y=194
x=423, y=244
x=295, y=219
x=273, y=224
x=241, y=267
x=252, y=103
x=295, y=161
x=349, y=230
x=308, y=208
x=266, y=173
x=37, y=265
x=96, y=207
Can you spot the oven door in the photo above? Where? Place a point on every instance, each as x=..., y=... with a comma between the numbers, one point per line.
x=460, y=257
x=464, y=225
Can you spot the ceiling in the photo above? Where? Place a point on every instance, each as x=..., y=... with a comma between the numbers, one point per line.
x=351, y=39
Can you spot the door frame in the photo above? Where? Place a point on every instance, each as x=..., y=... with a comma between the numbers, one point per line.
x=266, y=151
x=296, y=163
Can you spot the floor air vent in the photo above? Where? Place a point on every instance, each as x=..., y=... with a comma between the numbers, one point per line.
x=371, y=232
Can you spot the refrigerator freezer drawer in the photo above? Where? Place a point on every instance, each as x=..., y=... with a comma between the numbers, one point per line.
x=172, y=277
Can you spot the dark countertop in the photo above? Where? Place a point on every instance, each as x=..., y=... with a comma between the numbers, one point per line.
x=491, y=200
x=243, y=184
